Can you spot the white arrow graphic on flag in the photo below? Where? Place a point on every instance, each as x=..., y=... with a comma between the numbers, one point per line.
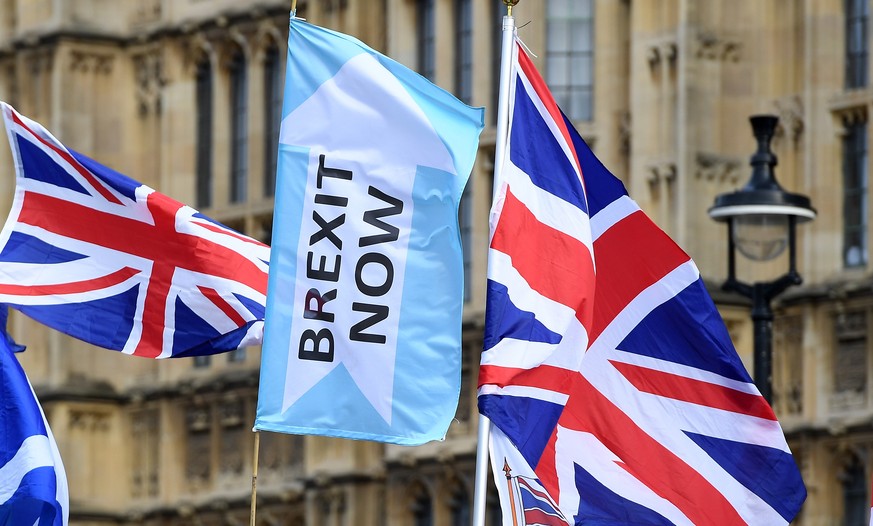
x=364, y=121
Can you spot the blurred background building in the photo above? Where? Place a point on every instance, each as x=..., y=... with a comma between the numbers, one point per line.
x=185, y=96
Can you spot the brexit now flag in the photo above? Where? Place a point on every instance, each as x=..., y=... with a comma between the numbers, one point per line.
x=607, y=367
x=33, y=483
x=363, y=336
x=103, y=258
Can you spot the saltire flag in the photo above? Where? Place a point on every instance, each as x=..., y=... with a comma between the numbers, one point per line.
x=363, y=338
x=537, y=506
x=524, y=500
x=33, y=483
x=103, y=258
x=606, y=364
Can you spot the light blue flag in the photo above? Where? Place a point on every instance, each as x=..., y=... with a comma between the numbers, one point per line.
x=33, y=484
x=363, y=328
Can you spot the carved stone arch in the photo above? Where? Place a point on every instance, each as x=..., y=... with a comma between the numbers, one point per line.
x=419, y=490
x=852, y=475
x=850, y=454
x=235, y=43
x=198, y=50
x=417, y=486
x=267, y=37
x=457, y=493
x=456, y=481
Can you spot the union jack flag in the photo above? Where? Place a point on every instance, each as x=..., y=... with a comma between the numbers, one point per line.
x=605, y=362
x=105, y=259
x=537, y=506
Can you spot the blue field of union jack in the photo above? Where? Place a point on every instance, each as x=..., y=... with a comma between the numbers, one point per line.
x=606, y=363
x=105, y=259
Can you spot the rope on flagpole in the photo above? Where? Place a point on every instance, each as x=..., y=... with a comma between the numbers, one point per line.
x=255, y=476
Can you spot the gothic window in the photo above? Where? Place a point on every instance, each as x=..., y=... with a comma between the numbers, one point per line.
x=464, y=50
x=499, y=9
x=232, y=437
x=422, y=509
x=265, y=229
x=850, y=360
x=857, y=49
x=856, y=504
x=237, y=355
x=855, y=194
x=460, y=508
x=570, y=55
x=146, y=442
x=238, y=128
x=272, y=117
x=198, y=458
x=426, y=38
x=201, y=362
x=204, y=134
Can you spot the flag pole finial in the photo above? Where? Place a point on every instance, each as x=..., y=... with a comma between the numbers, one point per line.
x=509, y=4
x=508, y=470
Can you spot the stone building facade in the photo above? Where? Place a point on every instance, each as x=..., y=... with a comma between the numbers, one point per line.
x=183, y=95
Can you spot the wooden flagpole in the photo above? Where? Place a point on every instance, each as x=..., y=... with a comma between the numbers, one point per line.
x=508, y=472
x=257, y=447
x=255, y=479
x=480, y=489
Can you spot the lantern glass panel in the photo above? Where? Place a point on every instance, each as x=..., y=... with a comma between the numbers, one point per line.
x=761, y=237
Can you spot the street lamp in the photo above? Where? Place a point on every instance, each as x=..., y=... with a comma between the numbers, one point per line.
x=761, y=219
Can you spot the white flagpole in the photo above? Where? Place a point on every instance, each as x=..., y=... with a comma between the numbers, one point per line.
x=506, y=50
x=481, y=481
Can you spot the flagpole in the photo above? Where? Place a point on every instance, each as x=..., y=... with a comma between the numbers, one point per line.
x=480, y=490
x=294, y=8
x=506, y=49
x=255, y=478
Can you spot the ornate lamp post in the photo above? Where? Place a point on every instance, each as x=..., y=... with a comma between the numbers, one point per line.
x=762, y=219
